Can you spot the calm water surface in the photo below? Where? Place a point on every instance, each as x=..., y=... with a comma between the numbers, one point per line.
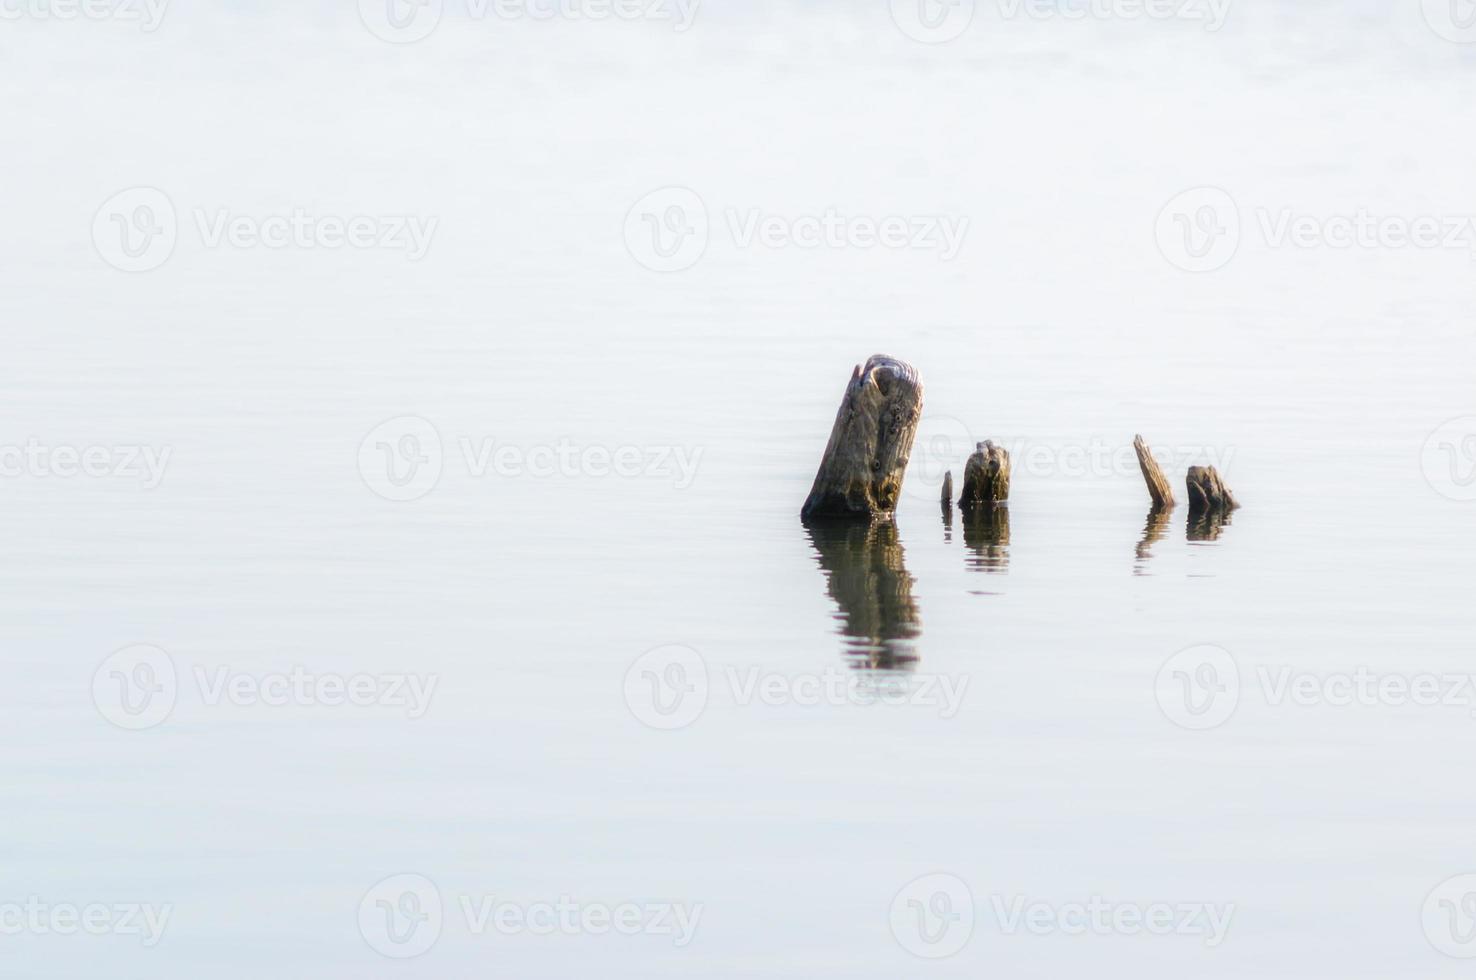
x=1312, y=377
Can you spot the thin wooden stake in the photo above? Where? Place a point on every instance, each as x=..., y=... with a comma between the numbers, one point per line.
x=1158, y=484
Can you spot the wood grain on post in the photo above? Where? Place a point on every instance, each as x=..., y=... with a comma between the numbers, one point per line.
x=986, y=478
x=866, y=458
x=1158, y=485
x=1207, y=492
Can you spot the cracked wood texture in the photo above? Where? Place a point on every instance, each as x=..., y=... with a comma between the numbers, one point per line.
x=986, y=478
x=1207, y=492
x=866, y=458
x=1158, y=485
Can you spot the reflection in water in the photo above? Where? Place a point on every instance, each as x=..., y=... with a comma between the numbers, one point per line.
x=986, y=530
x=867, y=577
x=947, y=521
x=1154, y=529
x=1206, y=525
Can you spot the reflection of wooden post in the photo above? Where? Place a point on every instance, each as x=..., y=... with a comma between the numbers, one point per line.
x=1207, y=491
x=1206, y=525
x=1158, y=484
x=1153, y=531
x=861, y=472
x=947, y=503
x=986, y=477
x=866, y=575
x=986, y=530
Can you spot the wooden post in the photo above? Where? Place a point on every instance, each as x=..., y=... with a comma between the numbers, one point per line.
x=1158, y=484
x=866, y=458
x=948, y=490
x=1207, y=491
x=986, y=478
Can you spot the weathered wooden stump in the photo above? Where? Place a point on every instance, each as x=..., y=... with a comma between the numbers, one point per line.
x=866, y=458
x=1158, y=485
x=1207, y=492
x=986, y=477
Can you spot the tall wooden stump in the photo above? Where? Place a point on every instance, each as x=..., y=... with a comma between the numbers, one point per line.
x=1158, y=485
x=986, y=477
x=861, y=472
x=1207, y=492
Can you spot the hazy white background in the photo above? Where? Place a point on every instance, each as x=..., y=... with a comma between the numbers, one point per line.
x=1321, y=372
